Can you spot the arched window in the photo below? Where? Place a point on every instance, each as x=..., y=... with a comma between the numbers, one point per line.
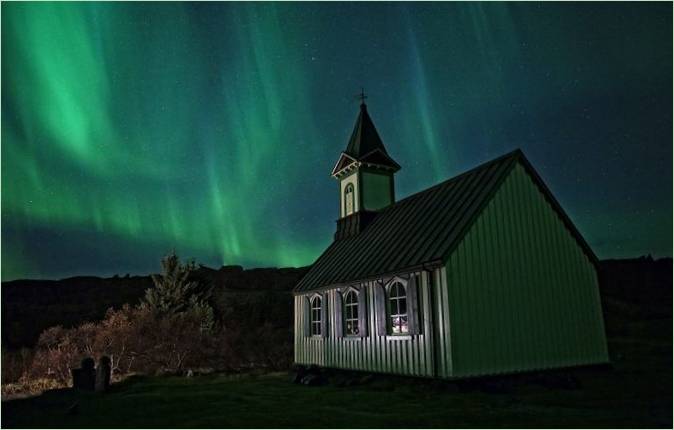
x=397, y=296
x=351, y=313
x=348, y=199
x=315, y=317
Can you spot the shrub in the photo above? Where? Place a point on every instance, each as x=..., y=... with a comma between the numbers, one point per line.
x=56, y=354
x=169, y=343
x=15, y=364
x=135, y=339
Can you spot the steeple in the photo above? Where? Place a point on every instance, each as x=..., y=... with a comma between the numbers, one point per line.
x=365, y=173
x=365, y=146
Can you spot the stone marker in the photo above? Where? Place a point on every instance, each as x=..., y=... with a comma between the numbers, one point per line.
x=103, y=374
x=84, y=378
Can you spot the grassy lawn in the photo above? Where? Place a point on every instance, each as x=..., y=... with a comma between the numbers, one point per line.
x=636, y=393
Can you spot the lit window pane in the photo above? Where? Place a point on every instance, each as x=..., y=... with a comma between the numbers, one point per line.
x=403, y=325
x=395, y=325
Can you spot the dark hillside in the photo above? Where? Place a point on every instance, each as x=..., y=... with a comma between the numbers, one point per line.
x=640, y=280
x=30, y=306
x=634, y=290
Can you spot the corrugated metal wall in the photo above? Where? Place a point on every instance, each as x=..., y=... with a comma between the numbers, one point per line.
x=386, y=354
x=522, y=295
x=442, y=327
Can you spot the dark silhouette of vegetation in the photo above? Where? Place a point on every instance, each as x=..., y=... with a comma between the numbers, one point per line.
x=175, y=296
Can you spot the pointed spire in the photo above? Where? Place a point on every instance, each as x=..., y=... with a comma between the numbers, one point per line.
x=365, y=145
x=364, y=138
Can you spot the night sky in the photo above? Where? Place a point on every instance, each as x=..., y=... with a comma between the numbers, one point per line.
x=131, y=129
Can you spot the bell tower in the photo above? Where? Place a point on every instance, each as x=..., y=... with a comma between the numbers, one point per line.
x=365, y=174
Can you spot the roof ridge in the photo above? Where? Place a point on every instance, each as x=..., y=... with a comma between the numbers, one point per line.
x=517, y=152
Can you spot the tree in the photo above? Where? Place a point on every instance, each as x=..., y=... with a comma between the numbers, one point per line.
x=174, y=293
x=57, y=353
x=115, y=337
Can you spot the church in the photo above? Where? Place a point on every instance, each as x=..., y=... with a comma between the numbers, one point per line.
x=481, y=274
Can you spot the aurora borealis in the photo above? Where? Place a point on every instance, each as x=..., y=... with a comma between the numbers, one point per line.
x=130, y=129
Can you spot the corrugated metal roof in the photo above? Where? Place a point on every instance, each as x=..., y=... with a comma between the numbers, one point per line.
x=418, y=229
x=422, y=228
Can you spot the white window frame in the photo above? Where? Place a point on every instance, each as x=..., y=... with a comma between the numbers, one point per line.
x=349, y=197
x=316, y=325
x=350, y=317
x=392, y=312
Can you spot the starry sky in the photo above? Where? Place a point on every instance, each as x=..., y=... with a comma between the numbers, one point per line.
x=133, y=129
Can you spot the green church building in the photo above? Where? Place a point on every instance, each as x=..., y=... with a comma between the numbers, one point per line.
x=481, y=274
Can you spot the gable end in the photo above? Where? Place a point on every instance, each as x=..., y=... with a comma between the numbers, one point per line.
x=547, y=194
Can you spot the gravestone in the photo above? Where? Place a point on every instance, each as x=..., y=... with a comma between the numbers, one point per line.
x=103, y=374
x=84, y=378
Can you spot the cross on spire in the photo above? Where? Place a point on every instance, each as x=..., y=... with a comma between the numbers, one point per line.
x=362, y=96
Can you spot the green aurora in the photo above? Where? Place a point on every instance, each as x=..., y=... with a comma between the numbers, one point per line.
x=129, y=129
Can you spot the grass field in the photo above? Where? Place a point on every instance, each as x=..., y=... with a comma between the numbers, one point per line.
x=636, y=393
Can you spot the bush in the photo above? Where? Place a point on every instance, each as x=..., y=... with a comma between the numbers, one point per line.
x=15, y=364
x=135, y=340
x=26, y=386
x=170, y=343
x=271, y=347
x=57, y=352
